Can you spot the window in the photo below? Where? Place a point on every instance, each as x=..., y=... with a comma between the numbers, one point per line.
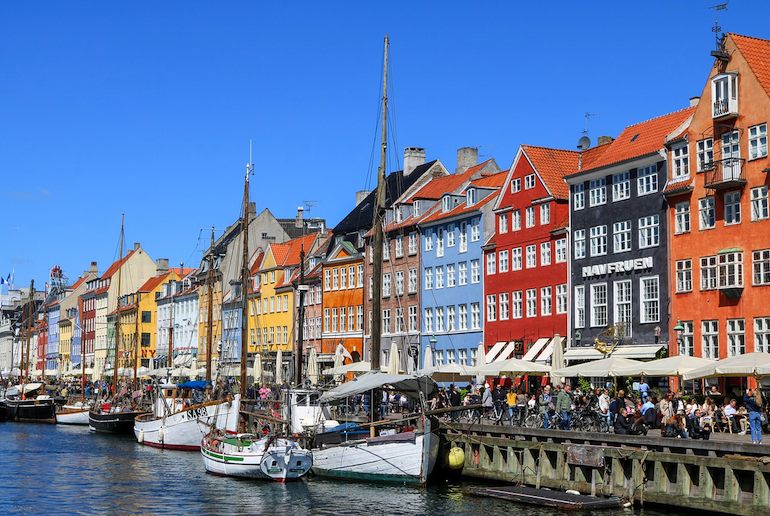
x=450, y=356
x=545, y=253
x=335, y=279
x=491, y=307
x=707, y=211
x=621, y=236
x=561, y=250
x=428, y=320
x=531, y=256
x=680, y=158
x=351, y=319
x=647, y=180
x=327, y=279
x=429, y=240
x=736, y=341
x=578, y=197
x=682, y=217
x=516, y=259
x=502, y=222
x=597, y=192
x=450, y=235
x=650, y=299
x=351, y=277
x=684, y=275
x=529, y=181
x=724, y=93
x=399, y=320
x=686, y=347
x=545, y=214
x=475, y=231
x=413, y=318
x=386, y=321
x=504, y=306
x=470, y=197
x=599, y=304
x=649, y=231
x=462, y=322
x=708, y=273
x=598, y=240
x=762, y=334
x=503, y=261
x=343, y=317
x=463, y=237
x=450, y=275
x=491, y=258
x=440, y=242
x=515, y=185
x=761, y=264
x=579, y=243
x=462, y=273
x=412, y=286
x=475, y=316
x=428, y=278
x=758, y=141
x=439, y=358
x=730, y=270
x=705, y=154
x=516, y=303
x=622, y=308
x=621, y=186
x=561, y=299
x=416, y=208
x=516, y=220
x=386, y=281
x=439, y=277
x=759, y=203
x=360, y=274
x=731, y=153
x=412, y=245
x=475, y=271
x=531, y=302
x=146, y=317
x=399, y=283
x=360, y=317
x=446, y=203
x=343, y=277
x=546, y=301
x=732, y=208
x=710, y=339
x=399, y=246
x=530, y=216
x=334, y=319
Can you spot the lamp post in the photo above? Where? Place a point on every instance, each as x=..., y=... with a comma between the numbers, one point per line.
x=679, y=329
x=577, y=338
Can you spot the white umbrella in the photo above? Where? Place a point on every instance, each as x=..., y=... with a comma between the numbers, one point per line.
x=557, y=358
x=393, y=362
x=279, y=367
x=312, y=367
x=353, y=367
x=512, y=366
x=749, y=364
x=598, y=368
x=339, y=361
x=427, y=358
x=257, y=370
x=480, y=361
x=670, y=366
x=449, y=372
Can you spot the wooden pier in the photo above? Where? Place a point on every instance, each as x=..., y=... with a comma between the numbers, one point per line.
x=718, y=476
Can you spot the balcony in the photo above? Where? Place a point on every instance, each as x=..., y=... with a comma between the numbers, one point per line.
x=724, y=92
x=725, y=108
x=725, y=174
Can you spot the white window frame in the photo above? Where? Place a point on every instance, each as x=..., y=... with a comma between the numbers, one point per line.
x=504, y=306
x=545, y=214
x=491, y=263
x=515, y=220
x=760, y=266
x=710, y=339
x=705, y=151
x=561, y=250
x=709, y=275
x=450, y=275
x=439, y=277
x=531, y=298
x=531, y=256
x=412, y=281
x=758, y=141
x=516, y=259
x=579, y=244
x=682, y=217
x=412, y=243
x=599, y=311
x=621, y=186
x=529, y=181
x=546, y=301
x=649, y=306
x=428, y=319
x=622, y=300
x=491, y=307
x=762, y=334
x=515, y=185
x=502, y=262
x=759, y=204
x=736, y=337
x=561, y=299
x=598, y=240
x=580, y=306
x=502, y=222
x=621, y=236
x=578, y=197
x=684, y=275
x=462, y=273
x=475, y=271
x=475, y=316
x=680, y=162
x=545, y=253
x=732, y=208
x=649, y=231
x=529, y=213
x=707, y=215
x=597, y=192
x=516, y=305
x=428, y=281
x=647, y=180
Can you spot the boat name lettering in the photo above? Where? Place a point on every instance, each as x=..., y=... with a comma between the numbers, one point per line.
x=195, y=413
x=603, y=269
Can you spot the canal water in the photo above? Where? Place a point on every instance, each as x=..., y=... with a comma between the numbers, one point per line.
x=54, y=469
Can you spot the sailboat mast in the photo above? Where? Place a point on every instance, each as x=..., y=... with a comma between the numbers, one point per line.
x=245, y=280
x=82, y=353
x=117, y=313
x=30, y=314
x=210, y=315
x=377, y=223
x=136, y=337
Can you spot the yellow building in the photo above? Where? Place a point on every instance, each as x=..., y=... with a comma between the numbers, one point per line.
x=65, y=343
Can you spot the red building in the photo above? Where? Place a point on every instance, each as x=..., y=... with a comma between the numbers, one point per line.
x=41, y=330
x=87, y=310
x=526, y=259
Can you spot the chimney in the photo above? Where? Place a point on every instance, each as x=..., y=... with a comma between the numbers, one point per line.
x=93, y=269
x=137, y=245
x=466, y=158
x=605, y=139
x=361, y=195
x=252, y=210
x=161, y=266
x=413, y=158
x=694, y=101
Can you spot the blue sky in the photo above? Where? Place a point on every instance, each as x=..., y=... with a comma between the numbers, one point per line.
x=148, y=107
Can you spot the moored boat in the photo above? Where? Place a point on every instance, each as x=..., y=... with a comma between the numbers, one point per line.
x=73, y=414
x=112, y=420
x=36, y=410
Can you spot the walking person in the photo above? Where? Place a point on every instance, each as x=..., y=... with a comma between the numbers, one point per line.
x=752, y=400
x=544, y=403
x=564, y=406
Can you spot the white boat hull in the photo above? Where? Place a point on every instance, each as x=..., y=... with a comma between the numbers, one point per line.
x=406, y=461
x=72, y=416
x=280, y=460
x=184, y=430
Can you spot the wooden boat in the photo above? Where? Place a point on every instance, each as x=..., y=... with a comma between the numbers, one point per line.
x=35, y=410
x=251, y=456
x=73, y=414
x=112, y=420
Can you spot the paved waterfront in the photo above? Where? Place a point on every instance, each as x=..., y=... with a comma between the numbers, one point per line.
x=54, y=469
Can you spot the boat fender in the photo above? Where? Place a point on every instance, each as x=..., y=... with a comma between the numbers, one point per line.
x=572, y=492
x=627, y=505
x=140, y=437
x=456, y=458
x=161, y=434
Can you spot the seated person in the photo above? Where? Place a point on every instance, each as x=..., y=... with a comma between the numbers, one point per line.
x=675, y=427
x=730, y=410
x=697, y=430
x=622, y=423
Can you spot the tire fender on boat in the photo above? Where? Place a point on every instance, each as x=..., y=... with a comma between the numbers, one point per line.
x=161, y=434
x=140, y=437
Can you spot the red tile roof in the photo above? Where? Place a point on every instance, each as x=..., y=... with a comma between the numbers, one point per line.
x=116, y=265
x=257, y=262
x=79, y=282
x=756, y=51
x=438, y=186
x=554, y=164
x=674, y=187
x=495, y=180
x=288, y=252
x=457, y=210
x=640, y=139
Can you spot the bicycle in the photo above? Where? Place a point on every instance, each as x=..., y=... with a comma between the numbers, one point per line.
x=534, y=420
x=471, y=416
x=500, y=413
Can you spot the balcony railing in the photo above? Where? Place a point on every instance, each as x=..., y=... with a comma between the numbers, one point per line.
x=725, y=107
x=725, y=173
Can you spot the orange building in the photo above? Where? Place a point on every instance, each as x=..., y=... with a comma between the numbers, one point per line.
x=343, y=300
x=718, y=209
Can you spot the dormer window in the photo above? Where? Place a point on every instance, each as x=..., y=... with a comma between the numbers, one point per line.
x=470, y=197
x=416, y=208
x=446, y=203
x=680, y=162
x=398, y=214
x=724, y=95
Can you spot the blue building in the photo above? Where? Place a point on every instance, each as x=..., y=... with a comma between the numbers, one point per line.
x=230, y=351
x=76, y=352
x=452, y=234
x=52, y=351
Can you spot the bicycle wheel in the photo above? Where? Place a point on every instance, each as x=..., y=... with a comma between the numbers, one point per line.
x=603, y=426
x=533, y=421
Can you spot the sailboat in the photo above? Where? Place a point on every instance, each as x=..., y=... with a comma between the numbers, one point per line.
x=244, y=454
x=115, y=416
x=405, y=452
x=177, y=426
